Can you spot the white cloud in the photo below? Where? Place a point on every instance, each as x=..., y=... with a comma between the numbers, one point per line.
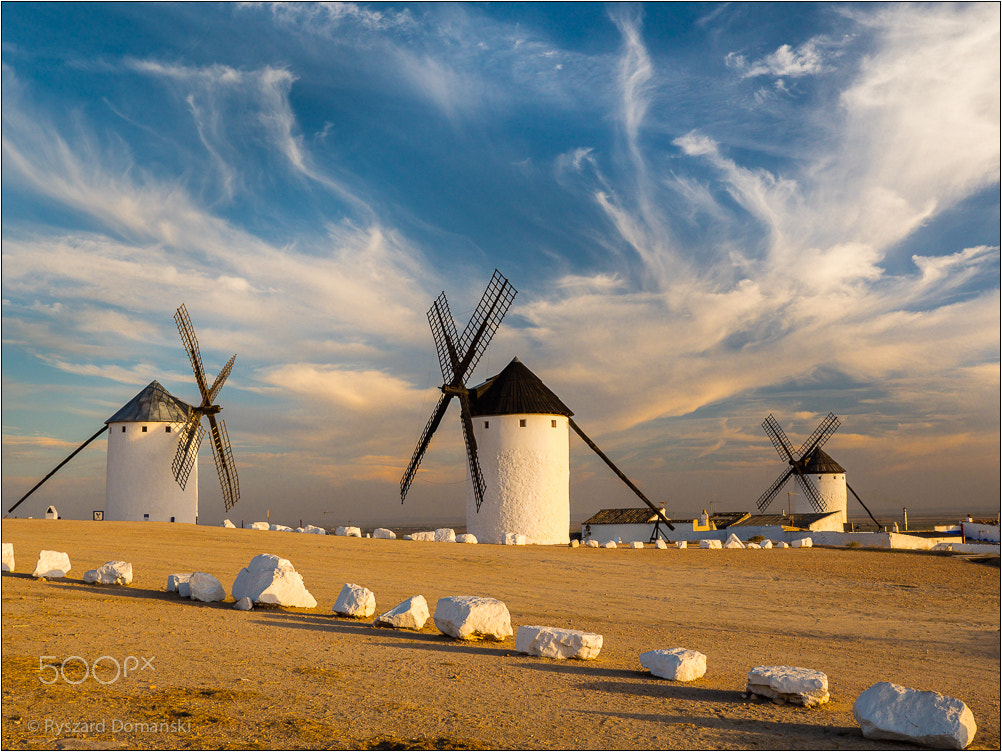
x=786, y=61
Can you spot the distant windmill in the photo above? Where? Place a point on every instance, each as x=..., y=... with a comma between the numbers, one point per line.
x=820, y=478
x=520, y=430
x=153, y=447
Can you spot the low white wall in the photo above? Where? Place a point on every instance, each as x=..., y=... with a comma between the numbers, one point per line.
x=979, y=532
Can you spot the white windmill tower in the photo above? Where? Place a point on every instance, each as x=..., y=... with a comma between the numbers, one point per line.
x=821, y=479
x=515, y=430
x=153, y=441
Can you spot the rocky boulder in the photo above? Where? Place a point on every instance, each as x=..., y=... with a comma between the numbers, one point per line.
x=427, y=535
x=244, y=604
x=355, y=601
x=175, y=580
x=889, y=711
x=110, y=573
x=660, y=543
x=677, y=664
x=272, y=580
x=553, y=642
x=802, y=543
x=411, y=614
x=314, y=530
x=445, y=535
x=469, y=617
x=348, y=531
x=466, y=538
x=51, y=564
x=205, y=587
x=681, y=544
x=799, y=686
x=8, y=557
x=707, y=543
x=260, y=526
x=733, y=542
x=514, y=539
x=384, y=533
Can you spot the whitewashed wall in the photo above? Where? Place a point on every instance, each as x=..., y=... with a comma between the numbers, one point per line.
x=831, y=488
x=140, y=480
x=527, y=474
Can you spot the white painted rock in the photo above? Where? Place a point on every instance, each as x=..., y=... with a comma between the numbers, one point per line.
x=206, y=588
x=411, y=614
x=348, y=531
x=260, y=526
x=299, y=529
x=574, y=543
x=184, y=588
x=753, y=545
x=766, y=544
x=609, y=544
x=782, y=544
x=802, y=543
x=110, y=573
x=552, y=642
x=314, y=530
x=800, y=686
x=244, y=604
x=888, y=711
x=637, y=544
x=466, y=538
x=681, y=544
x=514, y=539
x=174, y=581
x=272, y=580
x=733, y=542
x=384, y=533
x=427, y=535
x=8, y=557
x=51, y=564
x=282, y=528
x=227, y=523
x=355, y=601
x=592, y=543
x=706, y=543
x=469, y=617
x=445, y=535
x=660, y=543
x=677, y=664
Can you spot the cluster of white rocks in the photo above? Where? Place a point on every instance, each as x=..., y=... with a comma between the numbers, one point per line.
x=554, y=642
x=51, y=564
x=312, y=529
x=198, y=586
x=110, y=573
x=709, y=543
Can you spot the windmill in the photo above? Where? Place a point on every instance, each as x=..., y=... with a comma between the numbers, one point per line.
x=514, y=425
x=820, y=478
x=153, y=446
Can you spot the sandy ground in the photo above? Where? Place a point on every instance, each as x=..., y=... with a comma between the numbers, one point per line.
x=289, y=678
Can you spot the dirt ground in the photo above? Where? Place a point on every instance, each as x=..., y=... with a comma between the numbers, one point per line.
x=208, y=676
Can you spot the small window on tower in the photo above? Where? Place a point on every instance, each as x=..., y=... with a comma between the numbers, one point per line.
x=487, y=424
x=144, y=429
x=521, y=422
x=167, y=429
x=123, y=429
x=553, y=424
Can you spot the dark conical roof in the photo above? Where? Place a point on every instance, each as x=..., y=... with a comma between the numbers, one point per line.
x=153, y=405
x=515, y=391
x=820, y=463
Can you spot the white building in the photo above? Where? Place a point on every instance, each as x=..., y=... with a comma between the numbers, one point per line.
x=142, y=441
x=521, y=432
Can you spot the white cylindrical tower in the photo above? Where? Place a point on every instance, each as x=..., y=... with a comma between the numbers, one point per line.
x=828, y=478
x=522, y=446
x=142, y=441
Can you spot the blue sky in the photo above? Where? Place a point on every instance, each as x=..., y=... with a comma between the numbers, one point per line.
x=711, y=213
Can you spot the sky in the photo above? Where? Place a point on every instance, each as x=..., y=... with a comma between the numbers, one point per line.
x=710, y=212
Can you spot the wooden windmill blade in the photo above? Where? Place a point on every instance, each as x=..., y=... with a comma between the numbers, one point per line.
x=476, y=476
x=811, y=492
x=430, y=427
x=766, y=498
x=189, y=440
x=778, y=437
x=821, y=434
x=187, y=332
x=221, y=379
x=486, y=319
x=222, y=455
x=443, y=331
